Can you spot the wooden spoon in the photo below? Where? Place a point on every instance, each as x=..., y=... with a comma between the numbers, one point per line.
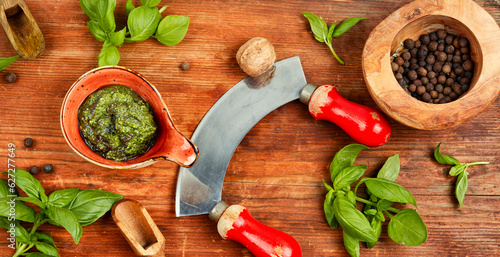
x=139, y=229
x=21, y=28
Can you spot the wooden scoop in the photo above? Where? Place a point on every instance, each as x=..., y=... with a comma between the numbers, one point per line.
x=139, y=229
x=21, y=28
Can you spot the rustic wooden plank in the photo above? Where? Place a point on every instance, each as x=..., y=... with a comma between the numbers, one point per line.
x=277, y=170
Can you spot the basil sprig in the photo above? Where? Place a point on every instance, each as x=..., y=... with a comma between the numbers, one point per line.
x=143, y=22
x=458, y=169
x=324, y=34
x=69, y=208
x=406, y=227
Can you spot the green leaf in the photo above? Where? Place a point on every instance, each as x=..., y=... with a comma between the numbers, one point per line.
x=22, y=235
x=31, y=200
x=328, y=208
x=4, y=223
x=5, y=188
x=380, y=216
x=348, y=176
x=390, y=170
x=46, y=238
x=345, y=158
x=37, y=254
x=318, y=26
x=90, y=204
x=97, y=31
x=371, y=212
x=408, y=228
x=389, y=190
x=328, y=187
x=117, y=38
x=30, y=185
x=172, y=29
x=457, y=169
x=101, y=11
x=22, y=212
x=353, y=220
x=67, y=219
x=142, y=23
x=383, y=205
x=351, y=244
x=150, y=3
x=129, y=6
x=63, y=197
x=46, y=249
x=329, y=37
x=377, y=226
x=346, y=25
x=109, y=55
x=5, y=62
x=461, y=187
x=444, y=159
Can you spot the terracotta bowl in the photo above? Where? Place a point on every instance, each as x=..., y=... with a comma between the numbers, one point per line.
x=459, y=17
x=170, y=143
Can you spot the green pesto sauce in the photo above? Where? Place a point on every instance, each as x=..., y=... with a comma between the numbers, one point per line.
x=117, y=123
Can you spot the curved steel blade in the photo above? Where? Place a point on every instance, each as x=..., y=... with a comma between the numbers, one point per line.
x=223, y=127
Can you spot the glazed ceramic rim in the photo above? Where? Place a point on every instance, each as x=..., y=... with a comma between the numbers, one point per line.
x=70, y=90
x=376, y=66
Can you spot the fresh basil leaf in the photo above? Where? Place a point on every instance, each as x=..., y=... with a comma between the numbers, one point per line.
x=383, y=205
x=4, y=223
x=380, y=216
x=150, y=3
x=67, y=219
x=97, y=31
x=328, y=208
x=22, y=212
x=386, y=189
x=371, y=212
x=90, y=204
x=408, y=228
x=30, y=185
x=352, y=220
x=461, y=187
x=46, y=238
x=346, y=25
x=5, y=188
x=444, y=159
x=37, y=254
x=345, y=158
x=31, y=200
x=5, y=62
x=129, y=6
x=172, y=29
x=46, y=249
x=101, y=11
x=328, y=187
x=109, y=55
x=348, y=176
x=61, y=198
x=142, y=23
x=22, y=235
x=457, y=169
x=329, y=37
x=390, y=170
x=117, y=38
x=318, y=26
x=351, y=244
x=377, y=226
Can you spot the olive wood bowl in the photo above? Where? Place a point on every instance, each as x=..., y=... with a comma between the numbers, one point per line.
x=459, y=17
x=170, y=143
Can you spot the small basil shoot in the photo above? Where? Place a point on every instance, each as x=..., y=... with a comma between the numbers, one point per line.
x=459, y=169
x=324, y=34
x=69, y=208
x=143, y=22
x=405, y=227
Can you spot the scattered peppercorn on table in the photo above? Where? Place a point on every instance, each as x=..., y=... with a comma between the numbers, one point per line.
x=277, y=171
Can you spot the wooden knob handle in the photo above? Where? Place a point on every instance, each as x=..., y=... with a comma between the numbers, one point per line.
x=364, y=124
x=237, y=224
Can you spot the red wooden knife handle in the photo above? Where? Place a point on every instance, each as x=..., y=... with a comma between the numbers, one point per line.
x=237, y=224
x=364, y=124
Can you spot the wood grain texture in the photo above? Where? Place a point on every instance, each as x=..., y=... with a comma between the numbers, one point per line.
x=278, y=169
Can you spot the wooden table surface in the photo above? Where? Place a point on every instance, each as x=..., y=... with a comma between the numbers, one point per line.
x=279, y=167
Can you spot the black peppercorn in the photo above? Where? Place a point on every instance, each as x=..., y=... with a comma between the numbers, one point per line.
x=439, y=88
x=465, y=57
x=412, y=75
x=449, y=39
x=431, y=59
x=426, y=97
x=420, y=90
x=185, y=66
x=459, y=70
x=447, y=90
x=409, y=43
x=433, y=94
x=441, y=56
x=433, y=81
x=464, y=81
x=414, y=52
x=441, y=79
x=429, y=87
x=414, y=66
x=440, y=47
x=446, y=69
x=457, y=58
x=399, y=60
x=457, y=89
x=468, y=74
x=431, y=74
x=406, y=56
x=424, y=80
x=441, y=34
x=10, y=77
x=465, y=88
x=422, y=52
x=468, y=65
x=425, y=39
x=417, y=82
x=417, y=44
x=394, y=66
x=48, y=168
x=401, y=70
x=453, y=96
x=399, y=76
x=456, y=43
x=437, y=67
x=464, y=50
x=449, y=81
x=433, y=46
x=406, y=64
x=433, y=36
x=422, y=72
x=34, y=170
x=463, y=42
x=412, y=88
x=28, y=142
